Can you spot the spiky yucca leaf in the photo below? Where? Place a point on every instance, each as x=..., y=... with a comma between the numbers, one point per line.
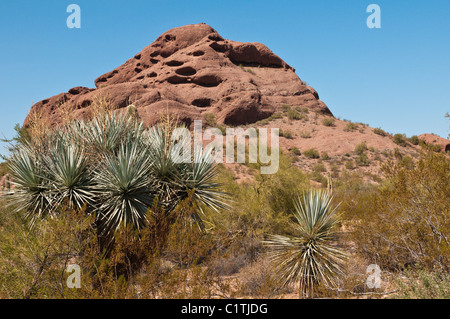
x=124, y=182
x=309, y=258
x=199, y=178
x=107, y=132
x=67, y=171
x=32, y=191
x=180, y=176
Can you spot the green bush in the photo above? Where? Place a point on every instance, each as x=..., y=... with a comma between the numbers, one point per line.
x=404, y=223
x=379, y=131
x=285, y=107
x=210, y=119
x=294, y=115
x=349, y=165
x=414, y=140
x=350, y=127
x=361, y=148
x=328, y=121
x=296, y=151
x=305, y=134
x=286, y=133
x=400, y=139
x=362, y=160
x=311, y=153
x=324, y=156
x=424, y=285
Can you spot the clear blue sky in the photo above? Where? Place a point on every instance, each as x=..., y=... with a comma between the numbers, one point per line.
x=396, y=77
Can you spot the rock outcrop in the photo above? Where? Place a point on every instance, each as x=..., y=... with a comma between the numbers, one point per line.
x=431, y=139
x=192, y=71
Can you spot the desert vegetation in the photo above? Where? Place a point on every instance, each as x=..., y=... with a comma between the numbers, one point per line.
x=108, y=194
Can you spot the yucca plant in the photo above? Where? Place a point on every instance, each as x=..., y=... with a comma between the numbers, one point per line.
x=117, y=169
x=311, y=257
x=180, y=176
x=125, y=186
x=32, y=189
x=67, y=171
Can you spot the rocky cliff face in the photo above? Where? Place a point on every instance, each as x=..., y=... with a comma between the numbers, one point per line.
x=192, y=71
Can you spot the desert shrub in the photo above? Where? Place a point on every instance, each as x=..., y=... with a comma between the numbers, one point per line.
x=274, y=116
x=33, y=262
x=304, y=110
x=361, y=148
x=286, y=133
x=397, y=153
x=362, y=160
x=400, y=139
x=305, y=134
x=258, y=206
x=311, y=153
x=324, y=156
x=296, y=151
x=319, y=167
x=435, y=148
x=406, y=223
x=424, y=285
x=285, y=107
x=210, y=119
x=379, y=131
x=414, y=140
x=350, y=127
x=260, y=280
x=349, y=164
x=294, y=115
x=407, y=161
x=328, y=121
x=3, y=169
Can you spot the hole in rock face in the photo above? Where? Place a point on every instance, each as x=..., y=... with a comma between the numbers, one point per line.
x=165, y=54
x=208, y=80
x=45, y=101
x=154, y=61
x=203, y=102
x=137, y=56
x=137, y=70
x=198, y=53
x=153, y=54
x=140, y=77
x=218, y=47
x=170, y=37
x=186, y=71
x=215, y=37
x=174, y=63
x=175, y=79
x=84, y=104
x=152, y=75
x=74, y=91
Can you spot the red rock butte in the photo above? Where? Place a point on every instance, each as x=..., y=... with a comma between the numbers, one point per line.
x=192, y=71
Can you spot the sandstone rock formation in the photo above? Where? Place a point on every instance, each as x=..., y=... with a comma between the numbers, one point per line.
x=192, y=71
x=433, y=139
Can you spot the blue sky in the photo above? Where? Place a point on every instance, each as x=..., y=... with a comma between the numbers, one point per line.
x=396, y=77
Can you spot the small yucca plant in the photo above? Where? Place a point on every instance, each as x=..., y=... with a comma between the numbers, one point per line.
x=310, y=258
